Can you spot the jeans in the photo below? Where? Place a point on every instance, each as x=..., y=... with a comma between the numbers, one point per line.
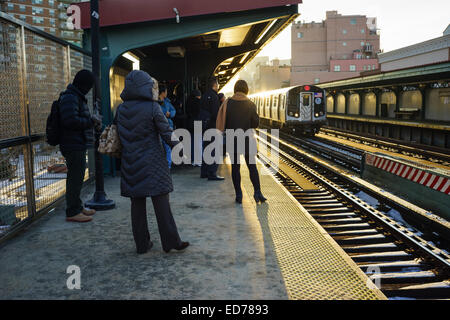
x=76, y=168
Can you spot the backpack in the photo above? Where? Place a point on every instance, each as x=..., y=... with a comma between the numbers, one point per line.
x=53, y=127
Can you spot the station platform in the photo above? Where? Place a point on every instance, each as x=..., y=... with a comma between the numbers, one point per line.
x=271, y=251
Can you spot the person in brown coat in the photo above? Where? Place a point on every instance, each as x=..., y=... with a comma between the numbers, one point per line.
x=239, y=112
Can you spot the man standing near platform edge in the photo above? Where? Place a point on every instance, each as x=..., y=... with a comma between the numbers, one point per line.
x=210, y=106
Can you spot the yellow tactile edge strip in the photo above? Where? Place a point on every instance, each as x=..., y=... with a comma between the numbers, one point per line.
x=313, y=265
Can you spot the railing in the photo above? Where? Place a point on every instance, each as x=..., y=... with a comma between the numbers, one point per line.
x=34, y=68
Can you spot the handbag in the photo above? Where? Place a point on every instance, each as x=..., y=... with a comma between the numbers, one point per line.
x=109, y=142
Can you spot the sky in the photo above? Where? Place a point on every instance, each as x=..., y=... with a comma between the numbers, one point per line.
x=401, y=22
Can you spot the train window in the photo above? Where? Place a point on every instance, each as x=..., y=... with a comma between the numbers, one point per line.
x=275, y=101
x=293, y=103
x=282, y=101
x=306, y=100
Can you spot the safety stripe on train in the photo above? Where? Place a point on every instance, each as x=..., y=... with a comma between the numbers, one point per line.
x=430, y=180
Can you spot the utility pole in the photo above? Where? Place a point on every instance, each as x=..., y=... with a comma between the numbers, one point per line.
x=99, y=200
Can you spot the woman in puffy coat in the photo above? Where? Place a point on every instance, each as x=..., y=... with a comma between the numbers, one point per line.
x=144, y=168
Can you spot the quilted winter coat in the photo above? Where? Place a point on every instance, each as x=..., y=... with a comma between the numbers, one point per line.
x=141, y=125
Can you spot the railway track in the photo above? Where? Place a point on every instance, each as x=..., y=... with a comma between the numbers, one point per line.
x=346, y=156
x=430, y=153
x=405, y=264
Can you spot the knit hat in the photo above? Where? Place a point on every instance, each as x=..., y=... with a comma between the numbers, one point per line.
x=196, y=93
x=84, y=81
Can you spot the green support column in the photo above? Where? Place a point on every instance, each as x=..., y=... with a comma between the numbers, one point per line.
x=347, y=96
x=335, y=102
x=378, y=94
x=423, y=91
x=362, y=102
x=398, y=93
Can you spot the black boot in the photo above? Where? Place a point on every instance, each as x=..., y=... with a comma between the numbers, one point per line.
x=258, y=196
x=182, y=246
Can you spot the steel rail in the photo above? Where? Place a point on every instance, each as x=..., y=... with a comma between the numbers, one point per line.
x=423, y=151
x=401, y=233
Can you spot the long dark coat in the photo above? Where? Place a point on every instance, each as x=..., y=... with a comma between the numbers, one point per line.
x=141, y=125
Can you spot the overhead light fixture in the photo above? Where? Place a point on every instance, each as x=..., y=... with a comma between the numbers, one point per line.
x=134, y=59
x=265, y=31
x=234, y=70
x=222, y=72
x=244, y=57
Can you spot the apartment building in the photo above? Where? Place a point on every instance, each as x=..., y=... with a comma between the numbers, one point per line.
x=337, y=48
x=47, y=15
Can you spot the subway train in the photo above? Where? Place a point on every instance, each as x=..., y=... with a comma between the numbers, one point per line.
x=299, y=110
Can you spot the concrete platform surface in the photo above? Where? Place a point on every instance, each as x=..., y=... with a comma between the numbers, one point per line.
x=237, y=251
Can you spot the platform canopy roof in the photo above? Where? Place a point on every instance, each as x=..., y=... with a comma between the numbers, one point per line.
x=116, y=12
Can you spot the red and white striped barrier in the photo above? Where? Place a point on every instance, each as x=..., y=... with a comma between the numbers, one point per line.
x=430, y=180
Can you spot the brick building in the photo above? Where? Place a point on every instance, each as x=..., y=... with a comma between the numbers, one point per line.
x=337, y=48
x=47, y=15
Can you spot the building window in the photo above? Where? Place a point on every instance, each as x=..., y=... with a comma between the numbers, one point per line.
x=23, y=17
x=37, y=1
x=53, y=22
x=352, y=67
x=353, y=21
x=344, y=44
x=300, y=35
x=38, y=20
x=365, y=68
x=51, y=12
x=22, y=8
x=344, y=31
x=52, y=30
x=10, y=6
x=51, y=3
x=362, y=43
x=68, y=34
x=36, y=10
x=337, y=68
x=316, y=80
x=363, y=31
x=373, y=67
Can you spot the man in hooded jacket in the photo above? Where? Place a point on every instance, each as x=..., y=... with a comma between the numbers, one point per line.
x=77, y=135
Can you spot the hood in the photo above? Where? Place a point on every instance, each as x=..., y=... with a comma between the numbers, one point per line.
x=139, y=85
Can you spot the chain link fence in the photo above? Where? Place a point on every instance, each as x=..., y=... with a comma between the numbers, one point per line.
x=34, y=68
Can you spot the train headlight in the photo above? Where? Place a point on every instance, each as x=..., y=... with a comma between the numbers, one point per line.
x=317, y=115
x=296, y=115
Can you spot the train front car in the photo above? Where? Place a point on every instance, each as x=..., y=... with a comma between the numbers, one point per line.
x=306, y=112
